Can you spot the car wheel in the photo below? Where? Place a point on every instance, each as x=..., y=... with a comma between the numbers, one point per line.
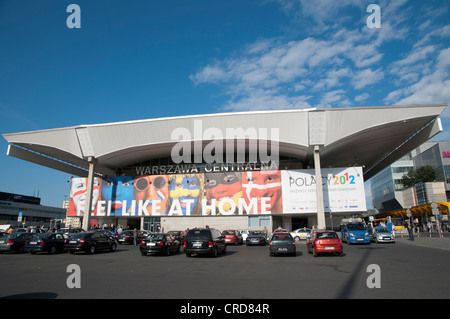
x=224, y=251
x=167, y=251
x=92, y=250
x=215, y=252
x=52, y=250
x=188, y=255
x=314, y=252
x=113, y=247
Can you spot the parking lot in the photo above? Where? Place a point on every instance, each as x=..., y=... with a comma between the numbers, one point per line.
x=405, y=271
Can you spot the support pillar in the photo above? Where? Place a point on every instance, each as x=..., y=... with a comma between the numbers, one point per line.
x=321, y=224
x=90, y=187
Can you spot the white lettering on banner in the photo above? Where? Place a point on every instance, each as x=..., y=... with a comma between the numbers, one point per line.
x=344, y=189
x=285, y=192
x=242, y=206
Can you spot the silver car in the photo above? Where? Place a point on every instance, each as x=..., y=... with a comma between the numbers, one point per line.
x=382, y=235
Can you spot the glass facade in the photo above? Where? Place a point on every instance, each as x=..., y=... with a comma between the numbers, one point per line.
x=387, y=184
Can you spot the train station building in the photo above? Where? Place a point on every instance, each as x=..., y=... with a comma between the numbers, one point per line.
x=247, y=170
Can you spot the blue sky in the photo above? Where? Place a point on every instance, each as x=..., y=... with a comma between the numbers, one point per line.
x=140, y=59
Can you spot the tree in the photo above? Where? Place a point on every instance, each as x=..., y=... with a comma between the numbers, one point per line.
x=422, y=174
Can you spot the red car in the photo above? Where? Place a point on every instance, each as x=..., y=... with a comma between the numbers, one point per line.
x=233, y=237
x=324, y=241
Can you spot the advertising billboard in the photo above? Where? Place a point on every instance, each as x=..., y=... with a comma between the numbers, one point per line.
x=224, y=193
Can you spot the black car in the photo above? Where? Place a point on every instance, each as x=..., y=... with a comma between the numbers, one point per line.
x=46, y=242
x=282, y=243
x=126, y=237
x=255, y=237
x=109, y=233
x=90, y=242
x=163, y=244
x=204, y=241
x=15, y=242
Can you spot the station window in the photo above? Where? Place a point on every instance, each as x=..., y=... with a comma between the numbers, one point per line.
x=258, y=221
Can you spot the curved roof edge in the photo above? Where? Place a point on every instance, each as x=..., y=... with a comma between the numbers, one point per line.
x=373, y=136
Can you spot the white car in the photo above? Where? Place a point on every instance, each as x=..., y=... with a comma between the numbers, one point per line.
x=301, y=233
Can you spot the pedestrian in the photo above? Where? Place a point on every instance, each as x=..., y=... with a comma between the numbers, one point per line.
x=410, y=230
x=266, y=232
x=135, y=235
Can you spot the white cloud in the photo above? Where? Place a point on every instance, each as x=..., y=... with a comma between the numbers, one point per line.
x=362, y=97
x=339, y=63
x=292, y=66
x=366, y=77
x=432, y=87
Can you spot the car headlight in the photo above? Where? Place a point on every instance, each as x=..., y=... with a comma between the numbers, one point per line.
x=366, y=234
x=351, y=234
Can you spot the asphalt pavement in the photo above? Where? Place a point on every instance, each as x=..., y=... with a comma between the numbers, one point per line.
x=424, y=240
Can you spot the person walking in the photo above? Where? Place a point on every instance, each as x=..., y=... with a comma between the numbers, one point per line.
x=410, y=230
x=135, y=235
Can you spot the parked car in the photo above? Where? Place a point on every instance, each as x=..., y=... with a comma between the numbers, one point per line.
x=46, y=242
x=160, y=243
x=256, y=237
x=382, y=235
x=178, y=235
x=232, y=237
x=282, y=243
x=109, y=233
x=204, y=241
x=15, y=242
x=324, y=241
x=126, y=237
x=90, y=242
x=301, y=233
x=70, y=231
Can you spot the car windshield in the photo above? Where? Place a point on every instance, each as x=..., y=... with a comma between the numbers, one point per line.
x=382, y=230
x=256, y=233
x=81, y=235
x=358, y=226
x=13, y=235
x=155, y=237
x=282, y=237
x=228, y=232
x=198, y=234
x=327, y=235
x=174, y=233
x=127, y=232
x=44, y=236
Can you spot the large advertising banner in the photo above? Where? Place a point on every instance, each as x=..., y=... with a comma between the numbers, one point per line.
x=224, y=193
x=343, y=190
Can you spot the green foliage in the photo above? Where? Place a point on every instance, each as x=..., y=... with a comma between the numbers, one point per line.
x=422, y=174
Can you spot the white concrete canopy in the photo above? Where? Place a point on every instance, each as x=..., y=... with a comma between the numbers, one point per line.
x=372, y=137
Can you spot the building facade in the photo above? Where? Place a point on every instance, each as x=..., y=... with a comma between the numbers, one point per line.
x=388, y=193
x=25, y=211
x=289, y=168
